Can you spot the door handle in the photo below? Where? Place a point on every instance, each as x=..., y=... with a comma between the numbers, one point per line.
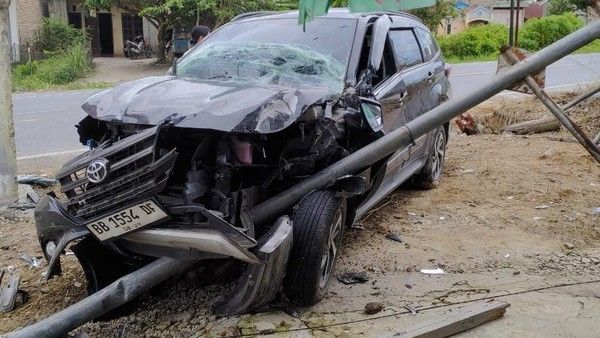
x=429, y=74
x=403, y=95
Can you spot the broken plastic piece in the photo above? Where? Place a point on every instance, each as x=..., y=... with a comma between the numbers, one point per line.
x=437, y=271
x=41, y=181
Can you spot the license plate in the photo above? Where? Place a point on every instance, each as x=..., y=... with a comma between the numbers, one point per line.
x=127, y=220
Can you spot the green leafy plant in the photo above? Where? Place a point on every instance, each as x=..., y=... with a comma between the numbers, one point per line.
x=477, y=41
x=54, y=36
x=62, y=68
x=539, y=33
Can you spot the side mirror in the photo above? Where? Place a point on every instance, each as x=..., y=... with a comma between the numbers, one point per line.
x=371, y=110
x=381, y=27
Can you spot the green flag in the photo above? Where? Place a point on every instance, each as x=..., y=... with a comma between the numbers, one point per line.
x=387, y=5
x=311, y=8
x=308, y=9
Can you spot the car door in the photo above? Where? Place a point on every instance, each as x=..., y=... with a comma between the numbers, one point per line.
x=399, y=95
x=431, y=91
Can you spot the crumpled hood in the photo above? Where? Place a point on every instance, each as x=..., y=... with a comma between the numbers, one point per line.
x=205, y=105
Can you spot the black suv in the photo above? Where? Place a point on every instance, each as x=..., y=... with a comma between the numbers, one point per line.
x=178, y=162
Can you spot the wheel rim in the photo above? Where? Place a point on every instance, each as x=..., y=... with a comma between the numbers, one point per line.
x=439, y=152
x=330, y=255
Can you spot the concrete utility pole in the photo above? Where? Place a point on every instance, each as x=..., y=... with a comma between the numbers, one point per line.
x=8, y=155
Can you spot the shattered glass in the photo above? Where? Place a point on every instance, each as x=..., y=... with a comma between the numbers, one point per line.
x=260, y=63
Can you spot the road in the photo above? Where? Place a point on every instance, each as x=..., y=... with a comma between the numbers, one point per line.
x=44, y=122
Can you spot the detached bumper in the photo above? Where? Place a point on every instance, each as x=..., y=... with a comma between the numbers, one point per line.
x=266, y=265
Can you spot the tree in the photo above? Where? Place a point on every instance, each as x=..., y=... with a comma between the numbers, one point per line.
x=434, y=16
x=559, y=7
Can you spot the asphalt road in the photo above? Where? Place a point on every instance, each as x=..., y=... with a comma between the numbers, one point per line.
x=44, y=122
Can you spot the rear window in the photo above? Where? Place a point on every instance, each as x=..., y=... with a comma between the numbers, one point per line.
x=428, y=44
x=406, y=48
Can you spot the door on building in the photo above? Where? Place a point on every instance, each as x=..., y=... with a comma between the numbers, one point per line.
x=105, y=34
x=132, y=26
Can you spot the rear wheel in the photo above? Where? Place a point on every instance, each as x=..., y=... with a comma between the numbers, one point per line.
x=431, y=174
x=318, y=228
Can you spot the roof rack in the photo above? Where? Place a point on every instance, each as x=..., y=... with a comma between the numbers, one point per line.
x=253, y=14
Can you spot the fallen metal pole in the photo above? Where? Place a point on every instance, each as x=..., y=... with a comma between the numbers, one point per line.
x=558, y=112
x=589, y=93
x=418, y=127
x=116, y=294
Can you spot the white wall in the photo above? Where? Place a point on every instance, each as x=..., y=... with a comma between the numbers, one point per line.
x=150, y=33
x=13, y=31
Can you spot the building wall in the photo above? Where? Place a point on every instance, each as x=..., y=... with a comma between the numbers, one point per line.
x=502, y=15
x=117, y=27
x=57, y=9
x=29, y=18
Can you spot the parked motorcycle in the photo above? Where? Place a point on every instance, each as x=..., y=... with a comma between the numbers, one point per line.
x=136, y=48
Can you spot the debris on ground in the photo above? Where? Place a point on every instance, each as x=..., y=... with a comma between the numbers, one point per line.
x=349, y=278
x=40, y=181
x=373, y=308
x=457, y=321
x=412, y=310
x=466, y=124
x=33, y=196
x=569, y=246
x=32, y=262
x=529, y=115
x=437, y=271
x=9, y=288
x=394, y=237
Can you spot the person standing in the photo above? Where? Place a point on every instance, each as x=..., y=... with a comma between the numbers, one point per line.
x=198, y=34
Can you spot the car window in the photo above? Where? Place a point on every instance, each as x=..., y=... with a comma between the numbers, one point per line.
x=406, y=48
x=428, y=44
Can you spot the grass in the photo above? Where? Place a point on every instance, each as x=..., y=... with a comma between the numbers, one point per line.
x=593, y=47
x=61, y=71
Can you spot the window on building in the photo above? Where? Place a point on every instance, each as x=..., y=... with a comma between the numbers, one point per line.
x=406, y=48
x=132, y=26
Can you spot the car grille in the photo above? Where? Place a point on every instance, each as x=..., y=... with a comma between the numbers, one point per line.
x=136, y=170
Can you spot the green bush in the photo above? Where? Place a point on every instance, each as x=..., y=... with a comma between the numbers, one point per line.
x=55, y=36
x=475, y=41
x=539, y=33
x=60, y=69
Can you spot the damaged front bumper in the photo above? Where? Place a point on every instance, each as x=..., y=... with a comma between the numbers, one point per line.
x=266, y=258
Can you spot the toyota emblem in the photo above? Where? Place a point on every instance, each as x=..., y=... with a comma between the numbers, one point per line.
x=97, y=171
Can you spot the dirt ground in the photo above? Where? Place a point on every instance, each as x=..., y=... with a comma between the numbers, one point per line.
x=513, y=220
x=117, y=70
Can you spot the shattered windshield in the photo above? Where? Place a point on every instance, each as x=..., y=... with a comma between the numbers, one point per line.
x=274, y=52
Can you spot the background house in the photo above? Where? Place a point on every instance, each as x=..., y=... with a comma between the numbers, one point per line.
x=108, y=29
x=481, y=12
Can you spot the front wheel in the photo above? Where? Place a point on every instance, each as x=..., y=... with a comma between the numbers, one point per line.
x=431, y=174
x=318, y=227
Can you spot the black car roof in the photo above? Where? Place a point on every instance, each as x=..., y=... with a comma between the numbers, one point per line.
x=401, y=18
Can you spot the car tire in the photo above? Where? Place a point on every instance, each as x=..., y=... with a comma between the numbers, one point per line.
x=430, y=176
x=318, y=228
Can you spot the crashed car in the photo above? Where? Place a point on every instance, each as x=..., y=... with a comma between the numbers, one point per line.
x=178, y=162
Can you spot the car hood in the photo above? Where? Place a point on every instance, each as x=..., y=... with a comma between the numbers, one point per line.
x=205, y=105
